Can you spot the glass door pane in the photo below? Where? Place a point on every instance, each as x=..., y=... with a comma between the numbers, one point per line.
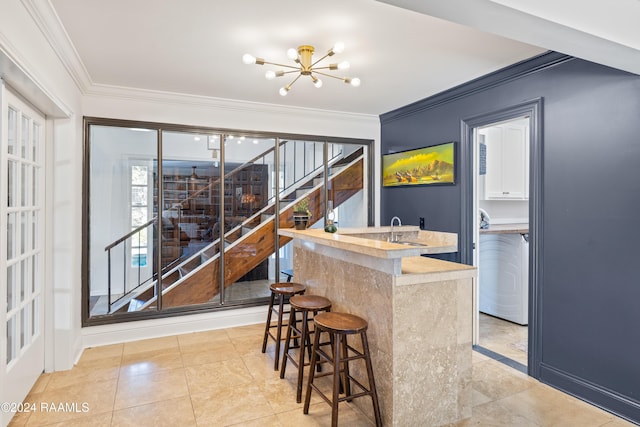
x=249, y=227
x=191, y=190
x=123, y=219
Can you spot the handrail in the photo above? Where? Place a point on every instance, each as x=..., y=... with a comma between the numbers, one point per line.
x=131, y=233
x=192, y=196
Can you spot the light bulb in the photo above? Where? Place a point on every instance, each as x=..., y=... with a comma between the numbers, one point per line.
x=355, y=82
x=343, y=65
x=248, y=59
x=283, y=91
x=338, y=47
x=292, y=54
x=317, y=83
x=270, y=75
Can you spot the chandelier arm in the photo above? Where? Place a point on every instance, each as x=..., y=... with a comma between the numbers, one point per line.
x=328, y=75
x=318, y=60
x=294, y=80
x=281, y=65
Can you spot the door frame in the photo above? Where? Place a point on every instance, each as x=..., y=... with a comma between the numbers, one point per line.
x=534, y=109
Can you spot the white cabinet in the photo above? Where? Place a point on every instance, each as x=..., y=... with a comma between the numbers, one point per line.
x=507, y=162
x=503, y=271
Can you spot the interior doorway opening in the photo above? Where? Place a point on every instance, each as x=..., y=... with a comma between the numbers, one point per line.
x=470, y=225
x=501, y=233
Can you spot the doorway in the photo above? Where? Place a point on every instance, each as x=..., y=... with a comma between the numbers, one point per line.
x=469, y=235
x=22, y=220
x=502, y=235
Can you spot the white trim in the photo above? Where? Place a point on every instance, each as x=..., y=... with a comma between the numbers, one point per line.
x=13, y=68
x=224, y=104
x=48, y=21
x=144, y=329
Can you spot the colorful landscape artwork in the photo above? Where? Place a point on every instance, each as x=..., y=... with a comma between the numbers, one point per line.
x=423, y=166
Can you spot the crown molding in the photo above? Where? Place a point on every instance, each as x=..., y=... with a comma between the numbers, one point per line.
x=162, y=97
x=47, y=20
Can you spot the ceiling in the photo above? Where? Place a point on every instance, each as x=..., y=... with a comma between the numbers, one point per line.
x=195, y=47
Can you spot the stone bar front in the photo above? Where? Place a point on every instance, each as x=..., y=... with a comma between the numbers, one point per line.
x=419, y=312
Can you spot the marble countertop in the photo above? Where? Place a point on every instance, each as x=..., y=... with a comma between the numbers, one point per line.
x=520, y=228
x=372, y=240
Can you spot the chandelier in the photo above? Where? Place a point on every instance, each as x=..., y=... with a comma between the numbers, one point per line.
x=305, y=66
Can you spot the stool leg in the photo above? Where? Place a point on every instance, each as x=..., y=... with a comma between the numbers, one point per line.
x=304, y=337
x=336, y=380
x=266, y=329
x=345, y=369
x=312, y=369
x=290, y=325
x=279, y=333
x=372, y=383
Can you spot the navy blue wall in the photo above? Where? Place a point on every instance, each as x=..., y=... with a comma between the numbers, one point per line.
x=589, y=291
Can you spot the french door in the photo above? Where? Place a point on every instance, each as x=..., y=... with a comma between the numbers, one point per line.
x=21, y=250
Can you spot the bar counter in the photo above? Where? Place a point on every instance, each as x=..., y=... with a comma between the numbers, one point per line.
x=419, y=311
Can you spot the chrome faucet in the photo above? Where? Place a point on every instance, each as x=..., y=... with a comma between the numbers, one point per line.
x=393, y=237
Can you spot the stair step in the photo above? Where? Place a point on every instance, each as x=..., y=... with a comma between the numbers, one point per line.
x=302, y=191
x=135, y=305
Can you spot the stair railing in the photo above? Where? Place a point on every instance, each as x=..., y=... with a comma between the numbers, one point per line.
x=349, y=161
x=172, y=266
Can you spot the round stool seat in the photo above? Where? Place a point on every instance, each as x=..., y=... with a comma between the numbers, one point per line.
x=341, y=323
x=287, y=288
x=309, y=302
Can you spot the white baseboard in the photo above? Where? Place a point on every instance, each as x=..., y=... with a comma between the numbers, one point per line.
x=95, y=336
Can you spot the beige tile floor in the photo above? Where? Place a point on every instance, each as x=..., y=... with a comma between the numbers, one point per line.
x=220, y=378
x=505, y=338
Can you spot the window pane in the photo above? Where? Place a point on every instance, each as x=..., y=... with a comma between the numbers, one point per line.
x=34, y=230
x=34, y=273
x=34, y=186
x=139, y=257
x=138, y=216
x=35, y=316
x=12, y=183
x=139, y=196
x=13, y=130
x=138, y=175
x=11, y=333
x=11, y=287
x=35, y=139
x=11, y=236
x=24, y=187
x=24, y=279
x=141, y=238
x=23, y=232
x=24, y=140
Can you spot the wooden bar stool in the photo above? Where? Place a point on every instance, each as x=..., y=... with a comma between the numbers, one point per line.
x=304, y=304
x=339, y=326
x=280, y=290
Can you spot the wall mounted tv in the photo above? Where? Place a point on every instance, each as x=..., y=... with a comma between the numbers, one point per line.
x=434, y=165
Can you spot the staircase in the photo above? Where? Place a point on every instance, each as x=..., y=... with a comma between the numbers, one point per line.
x=195, y=280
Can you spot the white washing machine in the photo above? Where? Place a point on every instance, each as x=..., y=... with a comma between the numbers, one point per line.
x=503, y=270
